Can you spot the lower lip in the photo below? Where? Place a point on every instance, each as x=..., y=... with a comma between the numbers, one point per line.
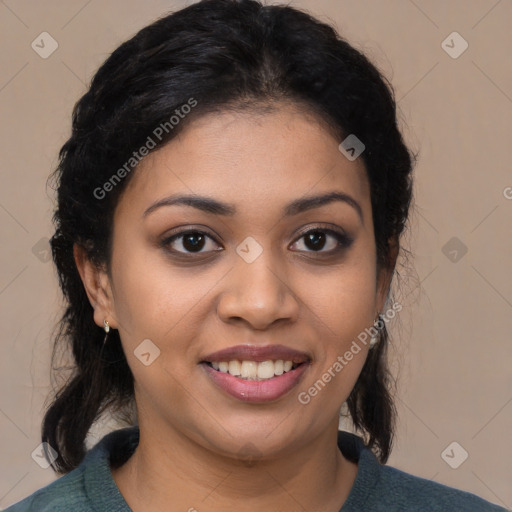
x=256, y=390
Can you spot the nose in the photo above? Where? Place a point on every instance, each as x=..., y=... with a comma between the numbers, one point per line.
x=258, y=294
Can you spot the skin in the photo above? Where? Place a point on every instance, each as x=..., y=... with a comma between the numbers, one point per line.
x=194, y=438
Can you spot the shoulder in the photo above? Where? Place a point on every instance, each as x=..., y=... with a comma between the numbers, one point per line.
x=64, y=494
x=90, y=486
x=382, y=488
x=404, y=491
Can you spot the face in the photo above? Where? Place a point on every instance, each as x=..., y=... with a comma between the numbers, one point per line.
x=212, y=286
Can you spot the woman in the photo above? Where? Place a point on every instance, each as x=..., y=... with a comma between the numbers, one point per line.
x=230, y=204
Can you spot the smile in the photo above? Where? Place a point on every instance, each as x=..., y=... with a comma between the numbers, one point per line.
x=255, y=373
x=254, y=370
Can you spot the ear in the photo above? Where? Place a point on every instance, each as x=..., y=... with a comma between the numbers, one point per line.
x=97, y=286
x=385, y=274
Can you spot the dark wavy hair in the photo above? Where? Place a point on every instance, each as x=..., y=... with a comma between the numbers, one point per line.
x=226, y=54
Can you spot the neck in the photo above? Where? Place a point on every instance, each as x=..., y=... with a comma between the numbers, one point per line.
x=173, y=469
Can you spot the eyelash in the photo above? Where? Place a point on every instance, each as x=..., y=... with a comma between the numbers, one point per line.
x=344, y=241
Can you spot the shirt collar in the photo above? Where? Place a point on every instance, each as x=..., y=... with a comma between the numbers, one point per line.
x=117, y=447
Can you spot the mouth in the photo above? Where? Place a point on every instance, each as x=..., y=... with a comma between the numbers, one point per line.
x=256, y=374
x=254, y=370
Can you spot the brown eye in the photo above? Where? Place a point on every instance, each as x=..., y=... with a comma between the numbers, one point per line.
x=316, y=240
x=191, y=242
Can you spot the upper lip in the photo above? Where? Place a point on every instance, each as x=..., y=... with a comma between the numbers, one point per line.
x=258, y=354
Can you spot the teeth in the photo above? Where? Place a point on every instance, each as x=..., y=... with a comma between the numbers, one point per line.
x=266, y=370
x=251, y=370
x=235, y=368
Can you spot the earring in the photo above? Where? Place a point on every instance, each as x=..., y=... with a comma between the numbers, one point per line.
x=375, y=337
x=106, y=328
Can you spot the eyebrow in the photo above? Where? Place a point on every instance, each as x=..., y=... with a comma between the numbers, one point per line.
x=212, y=206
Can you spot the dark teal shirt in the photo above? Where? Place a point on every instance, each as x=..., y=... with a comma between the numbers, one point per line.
x=91, y=488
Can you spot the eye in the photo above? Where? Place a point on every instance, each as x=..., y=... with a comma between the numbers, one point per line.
x=317, y=239
x=193, y=241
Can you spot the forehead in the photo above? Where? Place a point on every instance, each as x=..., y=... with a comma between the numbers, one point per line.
x=250, y=158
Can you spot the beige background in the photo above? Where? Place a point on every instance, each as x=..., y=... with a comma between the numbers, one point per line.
x=453, y=340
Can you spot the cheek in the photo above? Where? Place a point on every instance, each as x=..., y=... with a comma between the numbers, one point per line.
x=164, y=304
x=345, y=301
x=343, y=306
x=157, y=300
